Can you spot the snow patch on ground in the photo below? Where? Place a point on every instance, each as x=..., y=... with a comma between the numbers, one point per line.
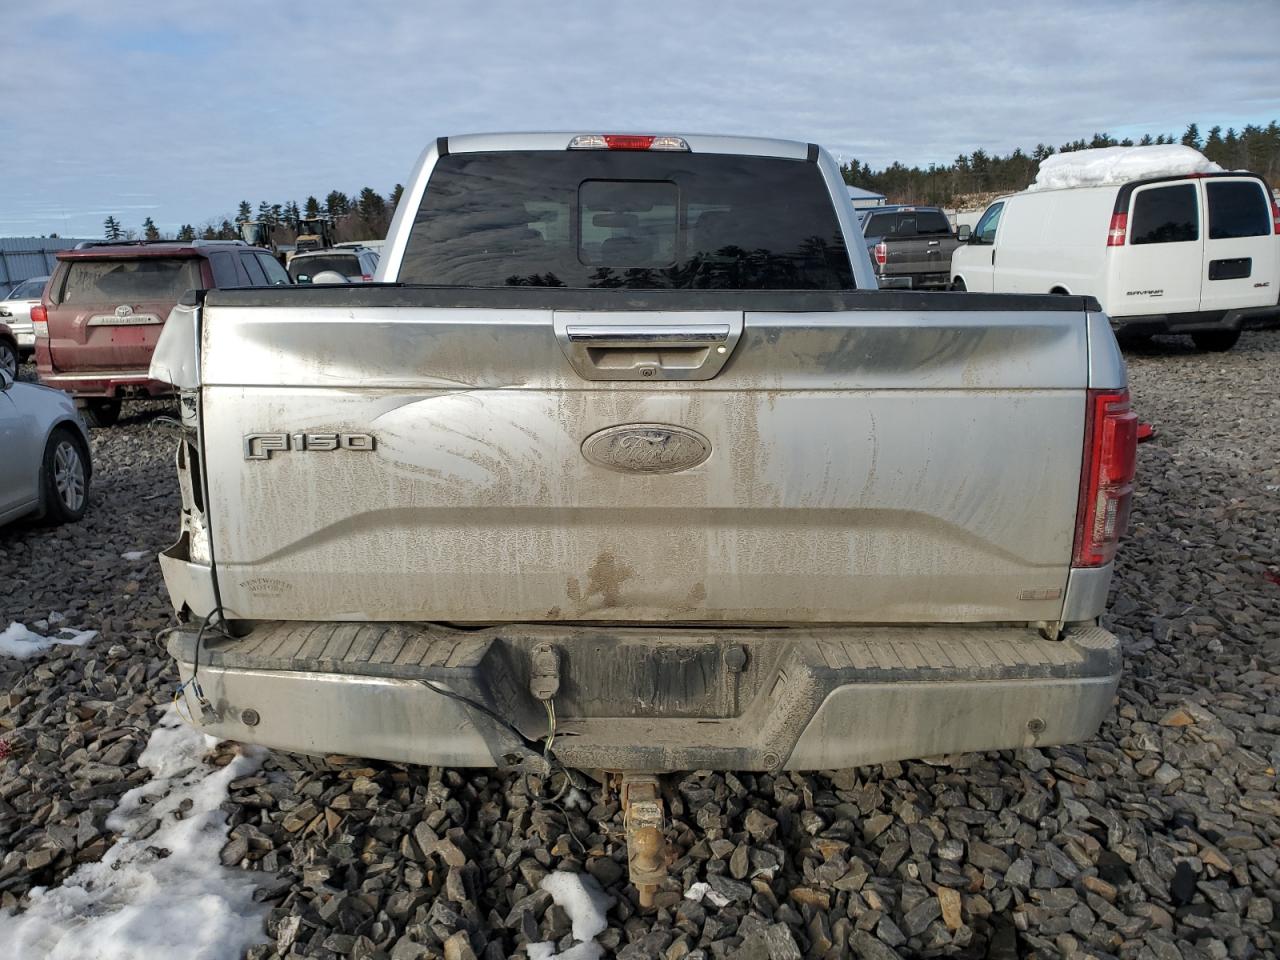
x=164, y=896
x=18, y=641
x=133, y=555
x=1116, y=165
x=546, y=950
x=585, y=903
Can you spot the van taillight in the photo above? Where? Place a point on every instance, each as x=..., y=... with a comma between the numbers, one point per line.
x=1275, y=216
x=882, y=253
x=1119, y=227
x=40, y=320
x=1106, y=477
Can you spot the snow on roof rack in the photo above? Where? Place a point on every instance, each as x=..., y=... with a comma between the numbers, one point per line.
x=1114, y=166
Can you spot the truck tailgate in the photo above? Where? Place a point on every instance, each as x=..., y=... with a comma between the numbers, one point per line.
x=880, y=458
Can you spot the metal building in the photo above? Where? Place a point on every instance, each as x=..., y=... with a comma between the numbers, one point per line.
x=23, y=257
x=864, y=198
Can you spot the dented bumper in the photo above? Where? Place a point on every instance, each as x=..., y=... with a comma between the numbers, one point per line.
x=653, y=699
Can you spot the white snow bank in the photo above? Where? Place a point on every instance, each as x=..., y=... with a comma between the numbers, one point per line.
x=1115, y=165
x=133, y=555
x=580, y=896
x=140, y=902
x=18, y=641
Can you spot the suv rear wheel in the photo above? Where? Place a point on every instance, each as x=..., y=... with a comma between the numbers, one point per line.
x=102, y=411
x=1216, y=341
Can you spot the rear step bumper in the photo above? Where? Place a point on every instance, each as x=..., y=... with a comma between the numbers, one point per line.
x=1246, y=318
x=107, y=383
x=653, y=699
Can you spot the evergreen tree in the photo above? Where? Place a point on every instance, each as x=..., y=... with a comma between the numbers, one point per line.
x=149, y=231
x=370, y=206
x=291, y=215
x=187, y=233
x=312, y=208
x=337, y=204
x=111, y=229
x=245, y=214
x=227, y=231
x=264, y=212
x=1191, y=138
x=396, y=193
x=210, y=232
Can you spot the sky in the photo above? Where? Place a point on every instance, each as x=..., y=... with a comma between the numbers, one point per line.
x=178, y=110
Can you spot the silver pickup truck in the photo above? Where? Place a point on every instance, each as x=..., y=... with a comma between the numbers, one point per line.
x=627, y=451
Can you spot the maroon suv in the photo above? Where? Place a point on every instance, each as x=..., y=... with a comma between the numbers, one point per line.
x=106, y=303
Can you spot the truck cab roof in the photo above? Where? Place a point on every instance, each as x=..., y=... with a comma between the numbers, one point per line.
x=694, y=142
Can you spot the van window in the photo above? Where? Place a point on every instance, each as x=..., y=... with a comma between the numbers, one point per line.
x=985, y=232
x=1165, y=215
x=1237, y=208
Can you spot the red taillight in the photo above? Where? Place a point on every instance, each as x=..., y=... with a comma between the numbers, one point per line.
x=366, y=277
x=1275, y=215
x=1119, y=227
x=882, y=253
x=40, y=320
x=1106, y=477
x=620, y=141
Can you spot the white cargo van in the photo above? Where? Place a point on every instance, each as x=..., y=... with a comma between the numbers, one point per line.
x=1194, y=253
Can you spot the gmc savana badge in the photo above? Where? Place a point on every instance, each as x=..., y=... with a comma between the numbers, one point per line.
x=260, y=446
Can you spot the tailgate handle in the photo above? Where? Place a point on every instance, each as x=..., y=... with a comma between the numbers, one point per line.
x=646, y=336
x=647, y=345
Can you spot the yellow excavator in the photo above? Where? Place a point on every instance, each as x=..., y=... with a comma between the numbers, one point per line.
x=314, y=233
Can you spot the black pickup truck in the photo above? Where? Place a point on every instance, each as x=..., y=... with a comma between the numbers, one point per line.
x=910, y=246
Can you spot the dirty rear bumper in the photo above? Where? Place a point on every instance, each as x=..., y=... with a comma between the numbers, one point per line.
x=653, y=699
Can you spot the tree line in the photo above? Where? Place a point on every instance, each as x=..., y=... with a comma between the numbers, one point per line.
x=363, y=216
x=1255, y=148
x=367, y=214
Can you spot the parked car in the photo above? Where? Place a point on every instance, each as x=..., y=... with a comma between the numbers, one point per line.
x=910, y=246
x=1196, y=254
x=9, y=351
x=46, y=466
x=106, y=303
x=15, y=310
x=357, y=265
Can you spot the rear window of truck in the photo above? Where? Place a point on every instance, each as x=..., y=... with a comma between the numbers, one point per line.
x=1237, y=208
x=590, y=219
x=121, y=281
x=918, y=223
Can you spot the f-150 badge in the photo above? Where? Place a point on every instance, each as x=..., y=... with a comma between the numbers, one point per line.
x=646, y=448
x=260, y=446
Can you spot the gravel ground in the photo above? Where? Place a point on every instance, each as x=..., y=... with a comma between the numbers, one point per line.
x=1157, y=839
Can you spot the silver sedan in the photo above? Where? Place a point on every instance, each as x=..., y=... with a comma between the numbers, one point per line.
x=15, y=310
x=45, y=467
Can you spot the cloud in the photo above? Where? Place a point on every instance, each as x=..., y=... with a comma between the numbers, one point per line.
x=185, y=105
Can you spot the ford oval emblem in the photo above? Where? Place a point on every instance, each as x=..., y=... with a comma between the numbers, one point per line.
x=646, y=448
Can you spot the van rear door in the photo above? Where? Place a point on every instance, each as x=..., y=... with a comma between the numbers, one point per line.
x=1161, y=261
x=1240, y=260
